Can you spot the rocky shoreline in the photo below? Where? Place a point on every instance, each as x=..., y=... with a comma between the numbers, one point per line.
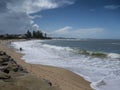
x=14, y=77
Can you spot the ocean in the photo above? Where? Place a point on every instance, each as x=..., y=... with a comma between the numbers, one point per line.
x=97, y=60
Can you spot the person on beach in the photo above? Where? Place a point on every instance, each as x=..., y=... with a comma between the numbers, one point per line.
x=21, y=49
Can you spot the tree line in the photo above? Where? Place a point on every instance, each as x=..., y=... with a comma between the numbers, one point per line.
x=28, y=35
x=36, y=34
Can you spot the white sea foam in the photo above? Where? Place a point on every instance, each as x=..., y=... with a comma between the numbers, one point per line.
x=114, y=55
x=103, y=73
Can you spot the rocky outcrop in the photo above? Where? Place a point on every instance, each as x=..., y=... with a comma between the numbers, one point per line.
x=8, y=66
x=14, y=77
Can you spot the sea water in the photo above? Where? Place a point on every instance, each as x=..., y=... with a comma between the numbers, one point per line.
x=102, y=72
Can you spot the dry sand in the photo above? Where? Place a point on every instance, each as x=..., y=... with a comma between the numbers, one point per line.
x=62, y=78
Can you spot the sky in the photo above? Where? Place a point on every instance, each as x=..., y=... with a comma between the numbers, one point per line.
x=62, y=18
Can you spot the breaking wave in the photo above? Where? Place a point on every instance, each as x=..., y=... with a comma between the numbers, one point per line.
x=100, y=68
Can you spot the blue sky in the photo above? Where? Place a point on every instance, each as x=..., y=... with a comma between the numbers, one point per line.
x=62, y=18
x=103, y=16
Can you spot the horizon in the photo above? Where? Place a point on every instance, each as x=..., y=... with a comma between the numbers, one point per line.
x=52, y=37
x=66, y=18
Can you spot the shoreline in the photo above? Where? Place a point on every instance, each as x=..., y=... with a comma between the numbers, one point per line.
x=62, y=78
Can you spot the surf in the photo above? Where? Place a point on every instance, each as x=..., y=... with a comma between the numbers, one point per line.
x=102, y=72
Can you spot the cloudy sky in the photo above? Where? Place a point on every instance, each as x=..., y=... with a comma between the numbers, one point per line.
x=62, y=18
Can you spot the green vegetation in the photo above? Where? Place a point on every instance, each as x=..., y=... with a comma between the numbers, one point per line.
x=36, y=34
x=12, y=36
x=28, y=35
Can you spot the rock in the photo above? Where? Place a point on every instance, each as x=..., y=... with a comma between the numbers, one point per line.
x=1, y=60
x=2, y=68
x=21, y=69
x=47, y=81
x=4, y=59
x=4, y=75
x=12, y=67
x=6, y=71
x=4, y=63
x=12, y=60
x=2, y=53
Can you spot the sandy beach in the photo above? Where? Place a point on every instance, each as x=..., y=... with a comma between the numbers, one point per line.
x=61, y=78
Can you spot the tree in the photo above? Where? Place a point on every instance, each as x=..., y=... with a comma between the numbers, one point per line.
x=36, y=34
x=28, y=34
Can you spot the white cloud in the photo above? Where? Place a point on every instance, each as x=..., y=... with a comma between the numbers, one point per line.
x=15, y=14
x=63, y=30
x=89, y=31
x=12, y=22
x=35, y=27
x=30, y=6
x=112, y=7
x=33, y=6
x=80, y=33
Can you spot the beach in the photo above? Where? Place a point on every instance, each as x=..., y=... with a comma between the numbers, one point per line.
x=60, y=78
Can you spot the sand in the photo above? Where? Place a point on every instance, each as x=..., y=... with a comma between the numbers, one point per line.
x=61, y=78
